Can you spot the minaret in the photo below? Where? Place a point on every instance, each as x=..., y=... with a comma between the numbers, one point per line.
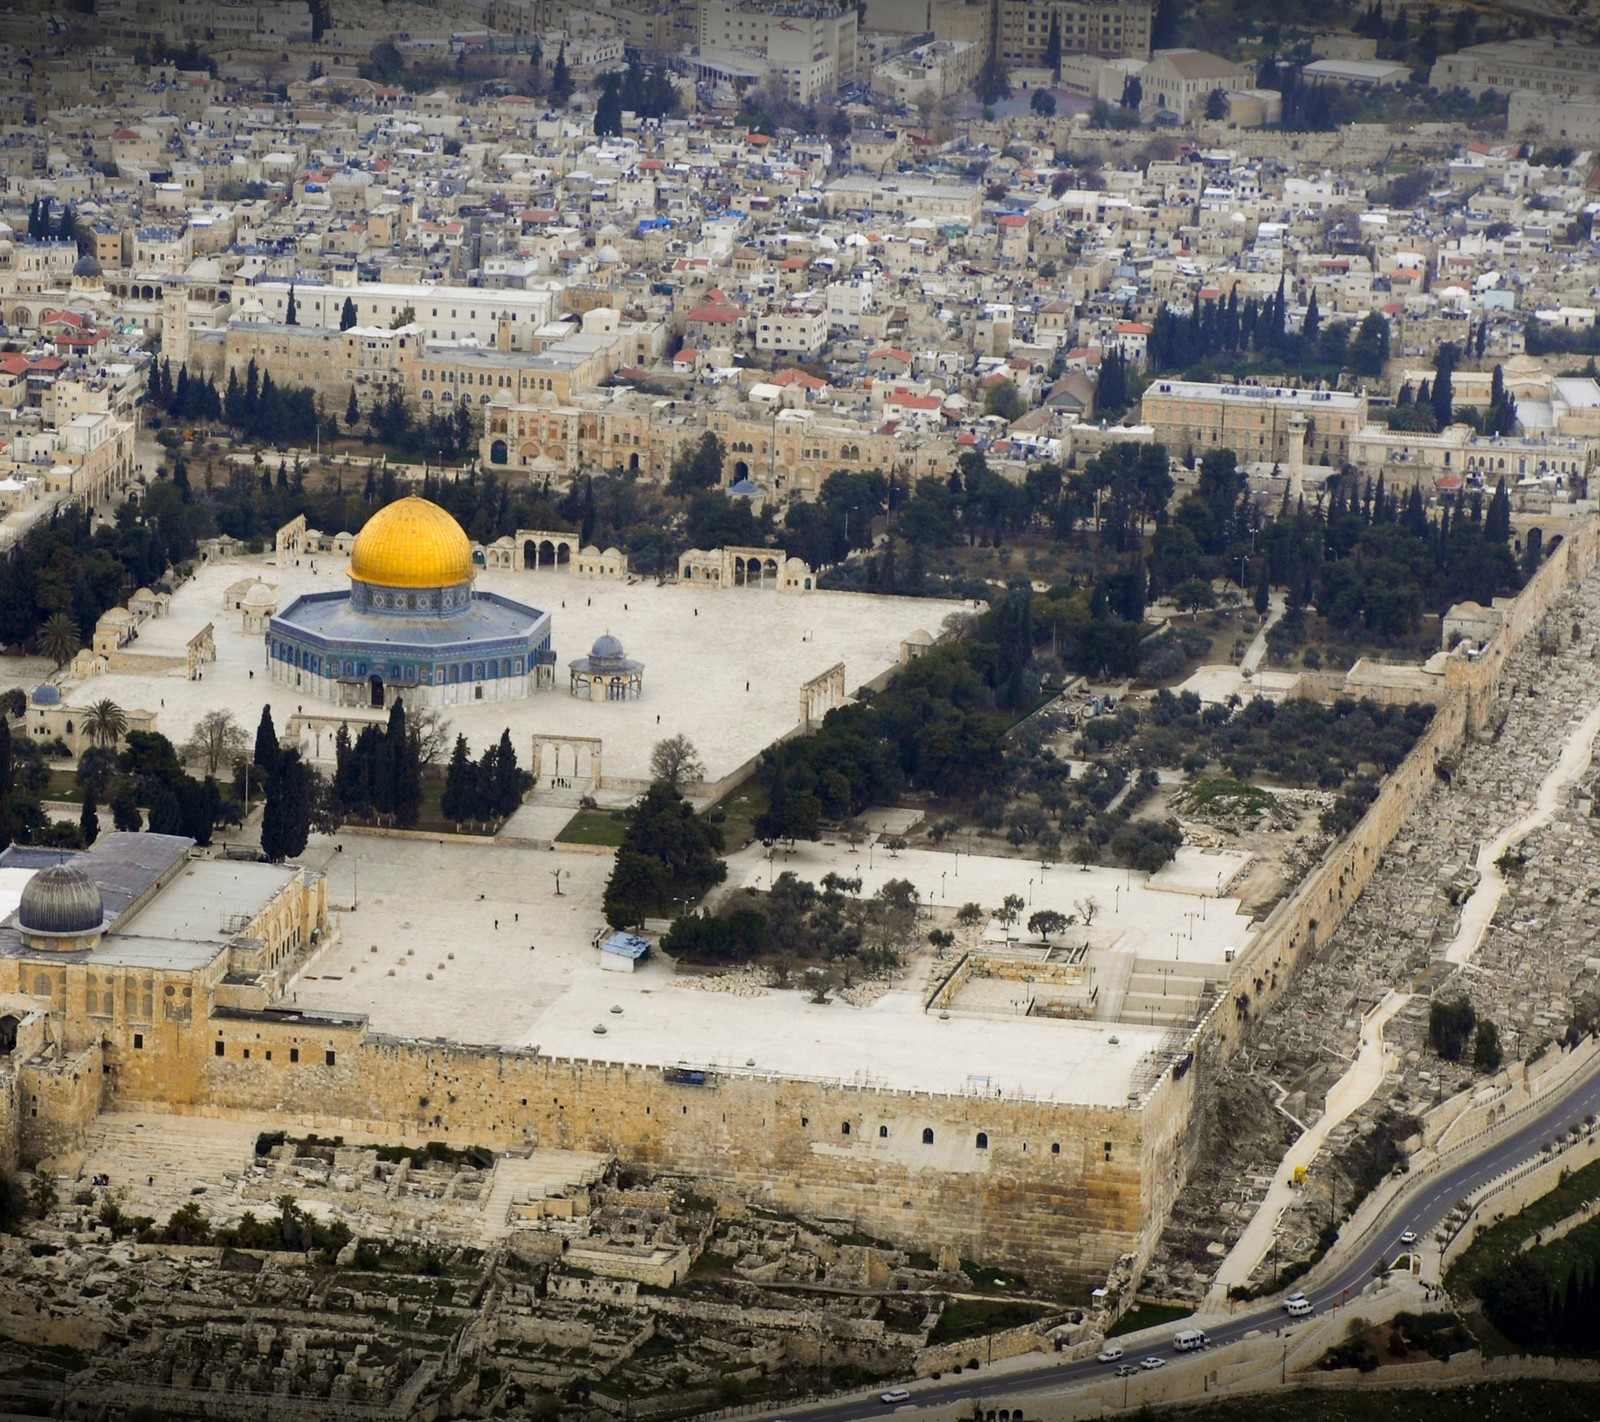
x=1296, y=431
x=175, y=324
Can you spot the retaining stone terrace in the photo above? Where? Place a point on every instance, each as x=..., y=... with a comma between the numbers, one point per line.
x=1527, y=975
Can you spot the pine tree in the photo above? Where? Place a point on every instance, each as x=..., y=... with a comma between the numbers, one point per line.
x=88, y=819
x=347, y=314
x=267, y=750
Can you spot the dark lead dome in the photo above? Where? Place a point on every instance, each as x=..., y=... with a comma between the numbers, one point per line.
x=88, y=265
x=606, y=649
x=62, y=900
x=46, y=695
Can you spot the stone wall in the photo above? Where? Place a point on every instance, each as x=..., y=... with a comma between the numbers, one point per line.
x=57, y=1102
x=1058, y=1189
x=1326, y=894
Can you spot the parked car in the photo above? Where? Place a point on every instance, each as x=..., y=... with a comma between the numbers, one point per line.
x=1109, y=1354
x=1151, y=1363
x=1126, y=1370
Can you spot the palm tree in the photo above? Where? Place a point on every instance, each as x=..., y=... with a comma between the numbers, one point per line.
x=105, y=723
x=59, y=639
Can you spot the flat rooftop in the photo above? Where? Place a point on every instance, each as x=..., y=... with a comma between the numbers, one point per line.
x=472, y=944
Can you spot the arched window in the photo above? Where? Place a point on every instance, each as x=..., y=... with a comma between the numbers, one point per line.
x=927, y=1135
x=844, y=1130
x=983, y=1140
x=883, y=1133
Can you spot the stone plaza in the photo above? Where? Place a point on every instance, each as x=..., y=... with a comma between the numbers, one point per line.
x=725, y=668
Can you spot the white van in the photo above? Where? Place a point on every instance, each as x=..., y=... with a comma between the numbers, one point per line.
x=1299, y=1306
x=1189, y=1340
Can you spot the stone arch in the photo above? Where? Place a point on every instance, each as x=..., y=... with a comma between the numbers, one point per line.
x=375, y=687
x=498, y=453
x=8, y=1033
x=741, y=470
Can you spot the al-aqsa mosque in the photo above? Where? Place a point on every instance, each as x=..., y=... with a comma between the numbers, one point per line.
x=412, y=623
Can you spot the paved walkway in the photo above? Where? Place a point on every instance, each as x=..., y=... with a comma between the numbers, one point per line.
x=1347, y=1095
x=1251, y=661
x=1478, y=912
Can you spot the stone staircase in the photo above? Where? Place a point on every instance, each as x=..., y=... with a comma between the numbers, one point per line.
x=518, y=1178
x=180, y=1154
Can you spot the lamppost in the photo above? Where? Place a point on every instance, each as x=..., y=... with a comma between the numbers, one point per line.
x=941, y=883
x=1177, y=939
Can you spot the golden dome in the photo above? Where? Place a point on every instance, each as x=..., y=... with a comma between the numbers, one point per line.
x=411, y=543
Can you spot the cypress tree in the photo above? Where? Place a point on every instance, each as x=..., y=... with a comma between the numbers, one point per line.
x=460, y=785
x=561, y=78
x=508, y=787
x=352, y=410
x=267, y=750
x=291, y=315
x=7, y=781
x=347, y=315
x=286, y=819
x=1313, y=321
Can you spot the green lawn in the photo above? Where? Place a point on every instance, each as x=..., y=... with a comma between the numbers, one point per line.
x=1495, y=1246
x=1147, y=1316
x=593, y=827
x=972, y=1318
x=742, y=806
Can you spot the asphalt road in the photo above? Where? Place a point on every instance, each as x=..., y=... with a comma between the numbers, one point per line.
x=1421, y=1208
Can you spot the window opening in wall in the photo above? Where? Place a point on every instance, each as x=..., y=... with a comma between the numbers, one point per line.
x=294, y=1054
x=329, y=1058
x=221, y=1050
x=983, y=1140
x=844, y=1130
x=883, y=1133
x=1055, y=1148
x=927, y=1135
x=138, y=1041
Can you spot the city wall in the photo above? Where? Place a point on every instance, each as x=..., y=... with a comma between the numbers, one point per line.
x=1323, y=898
x=1045, y=1187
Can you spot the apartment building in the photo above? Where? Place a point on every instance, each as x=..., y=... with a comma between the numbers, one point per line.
x=791, y=331
x=810, y=48
x=1109, y=28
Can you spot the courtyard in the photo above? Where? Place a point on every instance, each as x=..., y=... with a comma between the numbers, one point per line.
x=724, y=668
x=472, y=943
